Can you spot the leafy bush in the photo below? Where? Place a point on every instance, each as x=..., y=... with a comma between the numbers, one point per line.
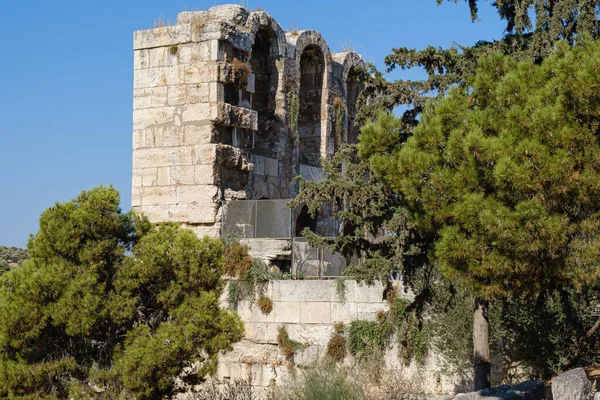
x=110, y=307
x=364, y=338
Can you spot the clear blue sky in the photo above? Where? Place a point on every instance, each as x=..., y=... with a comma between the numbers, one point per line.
x=66, y=74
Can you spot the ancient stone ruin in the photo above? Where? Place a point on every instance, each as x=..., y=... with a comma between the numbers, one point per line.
x=228, y=109
x=228, y=106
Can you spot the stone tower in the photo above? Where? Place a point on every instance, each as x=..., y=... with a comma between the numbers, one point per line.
x=229, y=106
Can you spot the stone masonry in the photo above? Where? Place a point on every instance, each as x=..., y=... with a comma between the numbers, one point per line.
x=229, y=106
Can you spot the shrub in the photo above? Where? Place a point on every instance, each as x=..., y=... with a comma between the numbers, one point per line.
x=237, y=259
x=364, y=337
x=288, y=346
x=336, y=347
x=265, y=304
x=320, y=383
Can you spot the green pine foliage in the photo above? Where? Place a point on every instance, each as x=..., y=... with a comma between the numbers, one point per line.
x=110, y=307
x=504, y=174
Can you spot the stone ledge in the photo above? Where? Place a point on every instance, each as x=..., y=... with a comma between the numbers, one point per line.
x=159, y=37
x=238, y=117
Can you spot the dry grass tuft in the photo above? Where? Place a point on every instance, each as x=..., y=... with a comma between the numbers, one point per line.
x=241, y=73
x=198, y=22
x=265, y=304
x=161, y=21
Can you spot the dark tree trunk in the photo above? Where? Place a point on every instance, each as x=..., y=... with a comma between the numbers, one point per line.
x=481, y=345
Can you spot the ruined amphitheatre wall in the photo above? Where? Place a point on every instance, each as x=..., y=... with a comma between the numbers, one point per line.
x=229, y=106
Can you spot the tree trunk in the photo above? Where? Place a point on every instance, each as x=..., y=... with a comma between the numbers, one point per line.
x=481, y=345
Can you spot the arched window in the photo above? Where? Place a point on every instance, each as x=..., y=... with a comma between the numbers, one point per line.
x=312, y=69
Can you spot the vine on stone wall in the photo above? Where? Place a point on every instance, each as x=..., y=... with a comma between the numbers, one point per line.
x=294, y=113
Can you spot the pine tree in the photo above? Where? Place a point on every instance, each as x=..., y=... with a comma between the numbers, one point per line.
x=502, y=176
x=110, y=307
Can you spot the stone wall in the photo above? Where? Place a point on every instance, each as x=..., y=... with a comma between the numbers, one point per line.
x=229, y=106
x=309, y=310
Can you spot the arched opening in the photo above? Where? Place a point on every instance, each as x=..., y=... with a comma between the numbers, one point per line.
x=263, y=63
x=304, y=220
x=312, y=68
x=353, y=89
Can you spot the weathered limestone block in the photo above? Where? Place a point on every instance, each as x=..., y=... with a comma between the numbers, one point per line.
x=315, y=313
x=200, y=73
x=198, y=133
x=161, y=37
x=159, y=195
x=571, y=385
x=203, y=194
x=262, y=332
x=286, y=312
x=271, y=249
x=236, y=116
x=195, y=213
x=199, y=112
x=343, y=312
x=158, y=76
x=166, y=157
x=180, y=175
x=368, y=311
x=197, y=93
x=149, y=98
x=146, y=118
x=205, y=175
x=310, y=333
x=193, y=53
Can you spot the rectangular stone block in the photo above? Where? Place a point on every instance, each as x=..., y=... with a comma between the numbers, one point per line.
x=139, y=139
x=252, y=313
x=196, y=213
x=182, y=175
x=205, y=175
x=286, y=311
x=136, y=196
x=156, y=213
x=318, y=290
x=230, y=115
x=368, y=311
x=343, y=312
x=192, y=53
x=176, y=95
x=159, y=195
x=200, y=73
x=163, y=176
x=205, y=154
x=149, y=177
x=198, y=112
x=216, y=92
x=200, y=133
x=158, y=76
x=196, y=194
x=148, y=158
x=160, y=37
x=368, y=293
x=149, y=98
x=149, y=117
x=198, y=93
x=315, y=313
x=261, y=332
x=271, y=167
x=288, y=290
x=318, y=334
x=259, y=165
